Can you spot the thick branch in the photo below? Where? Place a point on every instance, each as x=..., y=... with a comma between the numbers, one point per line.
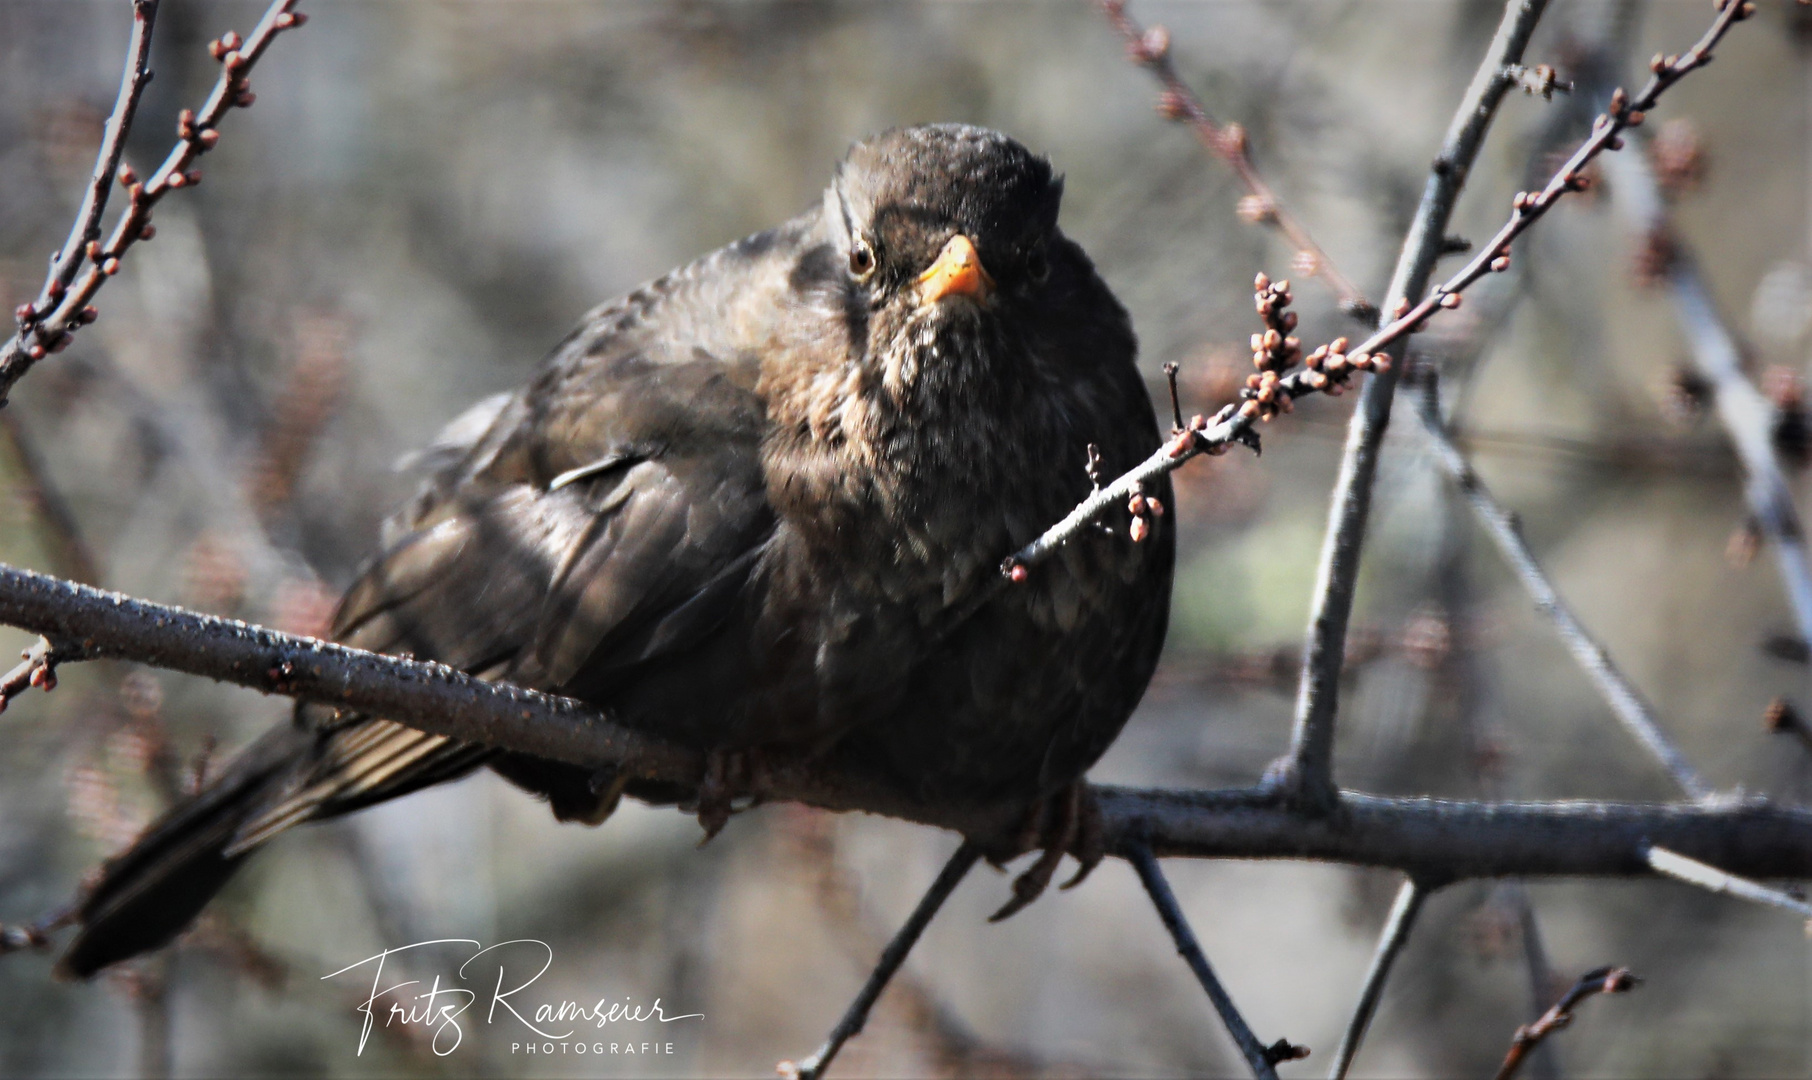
x=1441, y=840
x=1433, y=840
x=1307, y=774
x=432, y=696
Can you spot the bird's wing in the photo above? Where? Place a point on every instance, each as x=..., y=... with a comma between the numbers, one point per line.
x=607, y=516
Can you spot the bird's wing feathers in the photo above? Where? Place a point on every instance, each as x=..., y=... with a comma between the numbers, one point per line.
x=608, y=514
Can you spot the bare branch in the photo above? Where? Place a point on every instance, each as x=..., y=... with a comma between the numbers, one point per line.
x=87, y=226
x=1544, y=1059
x=35, y=935
x=1431, y=838
x=37, y=667
x=1677, y=866
x=1262, y=1059
x=1623, y=697
x=29, y=936
x=891, y=958
x=1748, y=416
x=48, y=326
x=1448, y=840
x=1529, y=1036
x=108, y=624
x=1307, y=773
x=1403, y=912
x=1261, y=206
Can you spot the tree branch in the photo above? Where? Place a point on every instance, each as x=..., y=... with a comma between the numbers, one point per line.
x=48, y=325
x=1236, y=423
x=1544, y=1060
x=1748, y=417
x=87, y=225
x=1430, y=838
x=1262, y=1059
x=856, y=1016
x=1529, y=1036
x=1403, y=912
x=1307, y=773
x=1623, y=697
x=1151, y=50
x=437, y=698
x=1677, y=866
x=37, y=667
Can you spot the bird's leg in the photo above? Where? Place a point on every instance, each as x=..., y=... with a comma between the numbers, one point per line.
x=1069, y=820
x=1091, y=842
x=727, y=772
x=714, y=791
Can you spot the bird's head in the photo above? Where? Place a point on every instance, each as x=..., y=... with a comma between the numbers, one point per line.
x=943, y=232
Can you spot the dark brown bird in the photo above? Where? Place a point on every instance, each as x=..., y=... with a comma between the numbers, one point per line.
x=748, y=506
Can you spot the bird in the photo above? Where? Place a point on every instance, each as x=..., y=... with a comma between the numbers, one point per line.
x=760, y=505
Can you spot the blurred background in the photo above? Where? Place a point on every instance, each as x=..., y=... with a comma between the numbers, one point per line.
x=426, y=196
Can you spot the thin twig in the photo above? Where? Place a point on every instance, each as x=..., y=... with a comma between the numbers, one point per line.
x=1306, y=775
x=48, y=328
x=1151, y=49
x=34, y=935
x=1235, y=423
x=1748, y=416
x=1397, y=925
x=1529, y=1036
x=1705, y=876
x=38, y=667
x=895, y=954
x=1485, y=752
x=29, y=936
x=87, y=225
x=1262, y=1059
x=949, y=1041
x=1544, y=1059
x=1625, y=700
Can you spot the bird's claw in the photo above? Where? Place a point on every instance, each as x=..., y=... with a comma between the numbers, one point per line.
x=727, y=772
x=714, y=793
x=1068, y=822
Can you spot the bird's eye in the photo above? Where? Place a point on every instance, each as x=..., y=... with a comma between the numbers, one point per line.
x=1038, y=267
x=861, y=259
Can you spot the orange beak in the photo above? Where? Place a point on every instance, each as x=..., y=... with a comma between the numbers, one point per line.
x=957, y=271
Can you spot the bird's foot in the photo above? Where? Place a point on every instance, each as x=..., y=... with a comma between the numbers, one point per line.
x=1068, y=822
x=727, y=771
